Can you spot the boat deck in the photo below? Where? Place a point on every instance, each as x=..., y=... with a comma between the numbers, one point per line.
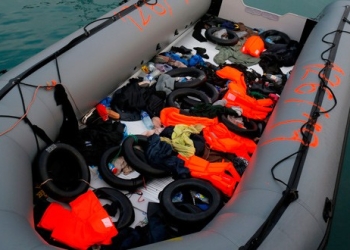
x=149, y=193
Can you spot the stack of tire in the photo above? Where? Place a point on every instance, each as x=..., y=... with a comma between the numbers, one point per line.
x=192, y=92
x=135, y=158
x=187, y=215
x=64, y=175
x=197, y=90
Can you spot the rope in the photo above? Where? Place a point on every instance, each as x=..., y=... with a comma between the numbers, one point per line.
x=44, y=182
x=25, y=114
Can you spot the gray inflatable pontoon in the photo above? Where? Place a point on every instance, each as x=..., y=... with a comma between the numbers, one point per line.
x=286, y=195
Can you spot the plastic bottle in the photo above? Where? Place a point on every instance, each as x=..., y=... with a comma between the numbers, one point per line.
x=147, y=120
x=113, y=169
x=148, y=68
x=150, y=77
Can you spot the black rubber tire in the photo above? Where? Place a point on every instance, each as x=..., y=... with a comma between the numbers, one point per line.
x=199, y=77
x=232, y=37
x=210, y=90
x=183, y=94
x=125, y=208
x=284, y=38
x=138, y=163
x=190, y=216
x=63, y=172
x=113, y=180
x=251, y=131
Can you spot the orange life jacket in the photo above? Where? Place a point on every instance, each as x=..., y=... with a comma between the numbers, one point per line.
x=253, y=46
x=215, y=134
x=221, y=175
x=171, y=116
x=220, y=138
x=237, y=95
x=86, y=224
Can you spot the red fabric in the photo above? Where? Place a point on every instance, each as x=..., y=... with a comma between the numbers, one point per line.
x=86, y=224
x=102, y=111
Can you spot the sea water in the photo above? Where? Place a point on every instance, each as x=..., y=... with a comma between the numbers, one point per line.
x=29, y=26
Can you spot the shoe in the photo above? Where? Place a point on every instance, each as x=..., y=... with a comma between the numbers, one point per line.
x=90, y=117
x=182, y=50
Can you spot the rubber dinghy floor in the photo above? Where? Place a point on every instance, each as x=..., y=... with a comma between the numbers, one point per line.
x=150, y=192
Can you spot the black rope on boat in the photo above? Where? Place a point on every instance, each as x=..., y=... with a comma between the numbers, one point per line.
x=279, y=162
x=58, y=70
x=290, y=194
x=26, y=120
x=155, y=2
x=87, y=33
x=116, y=16
x=35, y=129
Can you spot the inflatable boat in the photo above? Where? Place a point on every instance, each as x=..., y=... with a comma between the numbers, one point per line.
x=286, y=195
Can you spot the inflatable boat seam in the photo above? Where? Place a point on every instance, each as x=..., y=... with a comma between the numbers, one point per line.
x=19, y=145
x=229, y=240
x=309, y=212
x=260, y=189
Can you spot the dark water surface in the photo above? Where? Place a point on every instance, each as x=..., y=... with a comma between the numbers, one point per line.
x=29, y=26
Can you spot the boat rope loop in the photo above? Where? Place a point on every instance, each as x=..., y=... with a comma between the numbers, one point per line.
x=290, y=194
